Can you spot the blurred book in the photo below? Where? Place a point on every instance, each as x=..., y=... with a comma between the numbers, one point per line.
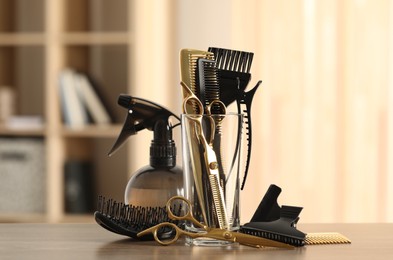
x=25, y=122
x=91, y=100
x=81, y=103
x=75, y=115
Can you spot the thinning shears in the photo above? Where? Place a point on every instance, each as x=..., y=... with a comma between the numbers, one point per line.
x=206, y=155
x=214, y=233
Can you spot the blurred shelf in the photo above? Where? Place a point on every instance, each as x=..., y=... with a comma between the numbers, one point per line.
x=78, y=218
x=39, y=38
x=93, y=131
x=7, y=39
x=101, y=38
x=42, y=218
x=22, y=217
x=22, y=132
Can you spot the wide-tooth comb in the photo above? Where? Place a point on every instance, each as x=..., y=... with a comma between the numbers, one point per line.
x=188, y=66
x=244, y=101
x=232, y=65
x=129, y=220
x=326, y=238
x=232, y=60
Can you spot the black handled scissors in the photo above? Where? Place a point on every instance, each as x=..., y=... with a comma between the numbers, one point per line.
x=214, y=233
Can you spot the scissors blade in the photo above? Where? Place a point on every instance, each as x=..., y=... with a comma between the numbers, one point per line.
x=147, y=231
x=256, y=241
x=215, y=183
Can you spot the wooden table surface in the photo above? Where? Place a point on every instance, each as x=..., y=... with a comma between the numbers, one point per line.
x=90, y=241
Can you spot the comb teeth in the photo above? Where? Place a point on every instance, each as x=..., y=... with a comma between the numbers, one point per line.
x=294, y=241
x=192, y=64
x=232, y=60
x=326, y=238
x=128, y=219
x=209, y=89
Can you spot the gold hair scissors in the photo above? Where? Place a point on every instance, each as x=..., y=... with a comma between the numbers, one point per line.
x=214, y=233
x=193, y=106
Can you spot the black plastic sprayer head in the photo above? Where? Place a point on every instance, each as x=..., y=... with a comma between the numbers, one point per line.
x=142, y=114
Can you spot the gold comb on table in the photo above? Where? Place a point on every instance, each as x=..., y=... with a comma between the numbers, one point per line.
x=326, y=238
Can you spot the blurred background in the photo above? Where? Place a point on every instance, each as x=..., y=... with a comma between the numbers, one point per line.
x=322, y=120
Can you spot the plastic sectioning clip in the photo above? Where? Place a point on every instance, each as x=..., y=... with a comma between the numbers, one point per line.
x=274, y=222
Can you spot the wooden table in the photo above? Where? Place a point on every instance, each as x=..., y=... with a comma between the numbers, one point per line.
x=90, y=241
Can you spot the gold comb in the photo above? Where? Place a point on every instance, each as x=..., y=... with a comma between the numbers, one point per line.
x=188, y=66
x=326, y=238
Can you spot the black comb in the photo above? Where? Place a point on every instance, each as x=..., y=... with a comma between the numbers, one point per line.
x=129, y=220
x=244, y=101
x=232, y=65
x=208, y=88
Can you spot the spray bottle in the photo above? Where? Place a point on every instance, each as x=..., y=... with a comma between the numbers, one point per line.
x=154, y=184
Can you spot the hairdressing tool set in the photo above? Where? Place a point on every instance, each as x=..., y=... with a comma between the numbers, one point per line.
x=216, y=75
x=210, y=82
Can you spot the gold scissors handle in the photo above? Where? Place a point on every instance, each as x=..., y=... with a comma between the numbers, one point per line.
x=187, y=209
x=216, y=107
x=191, y=103
x=187, y=216
x=168, y=226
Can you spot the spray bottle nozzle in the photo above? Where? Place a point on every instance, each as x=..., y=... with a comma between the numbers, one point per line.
x=162, y=148
x=124, y=101
x=142, y=114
